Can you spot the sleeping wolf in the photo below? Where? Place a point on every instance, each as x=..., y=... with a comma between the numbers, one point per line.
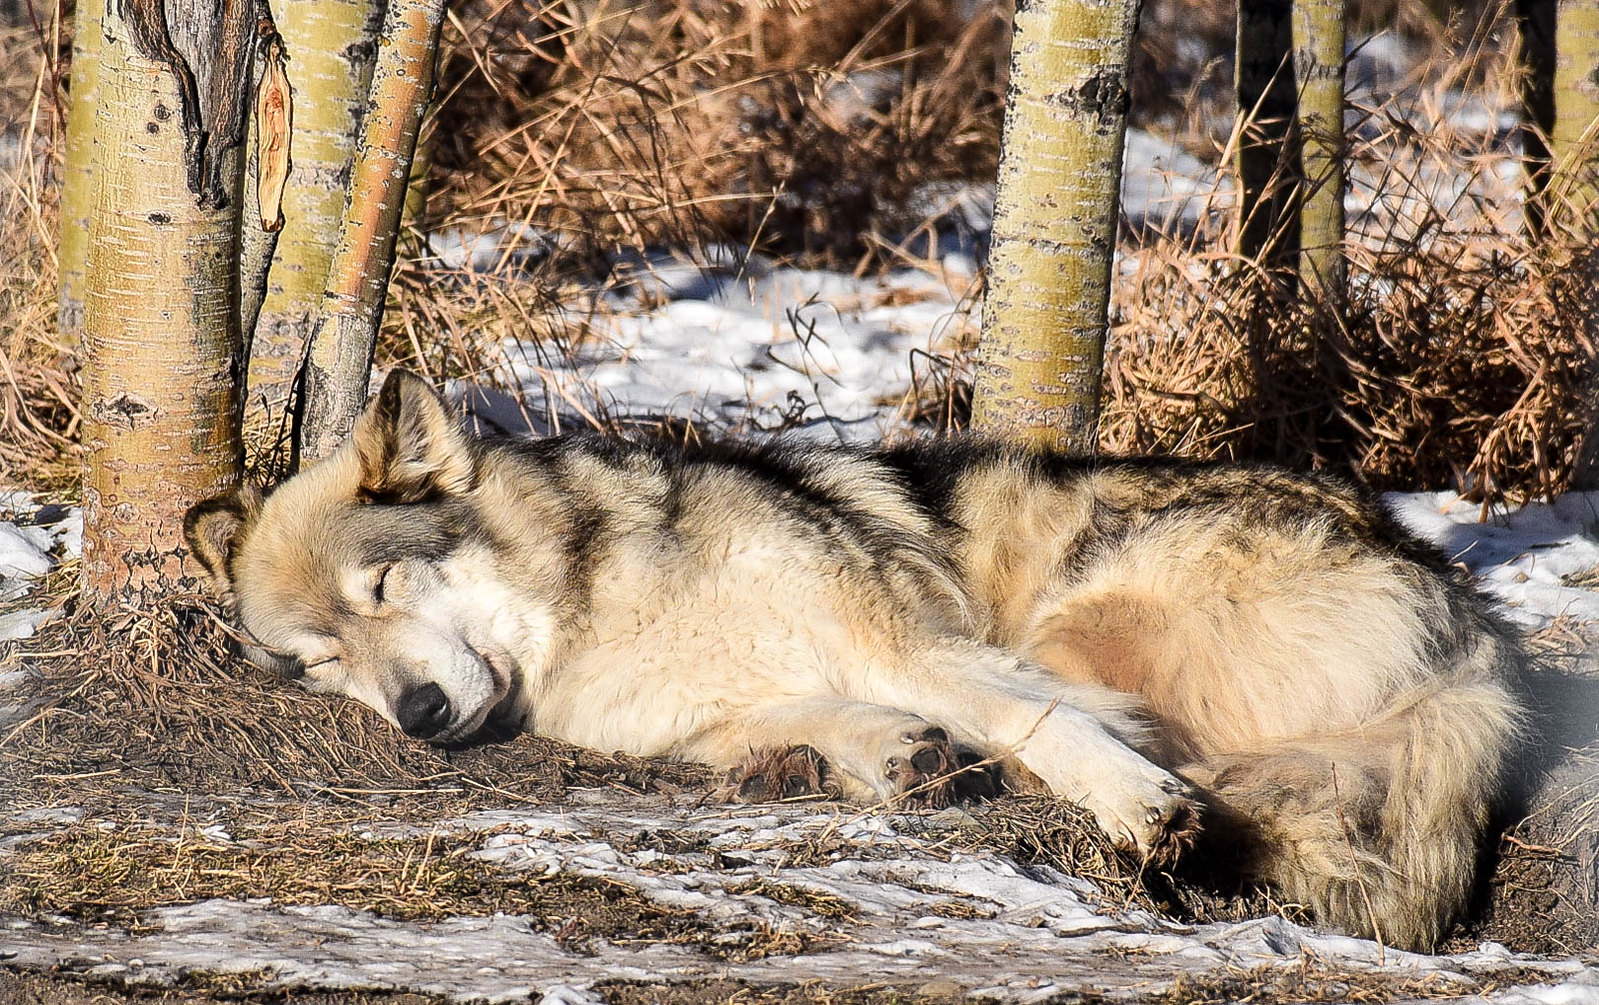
x=1139, y=636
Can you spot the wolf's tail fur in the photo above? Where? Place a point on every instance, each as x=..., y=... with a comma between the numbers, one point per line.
x=1378, y=829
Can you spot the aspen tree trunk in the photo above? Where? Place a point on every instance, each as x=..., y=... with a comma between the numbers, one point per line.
x=1055, y=208
x=162, y=356
x=1319, y=69
x=340, y=362
x=332, y=45
x=1267, y=154
x=1574, y=141
x=77, y=182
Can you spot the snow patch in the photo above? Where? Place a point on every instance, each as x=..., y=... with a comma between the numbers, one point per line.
x=31, y=543
x=1526, y=557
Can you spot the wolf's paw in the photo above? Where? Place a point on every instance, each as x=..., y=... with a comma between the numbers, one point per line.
x=1152, y=813
x=919, y=768
x=777, y=773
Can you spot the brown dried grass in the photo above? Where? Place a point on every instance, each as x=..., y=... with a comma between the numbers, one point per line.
x=789, y=127
x=38, y=386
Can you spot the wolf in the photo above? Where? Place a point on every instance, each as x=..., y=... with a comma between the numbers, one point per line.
x=1167, y=643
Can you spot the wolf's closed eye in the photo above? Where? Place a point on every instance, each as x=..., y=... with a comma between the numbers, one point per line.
x=379, y=589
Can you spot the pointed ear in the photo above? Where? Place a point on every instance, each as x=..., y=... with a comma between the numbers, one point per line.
x=410, y=445
x=214, y=530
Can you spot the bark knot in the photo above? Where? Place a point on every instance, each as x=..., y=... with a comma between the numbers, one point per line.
x=126, y=410
x=1102, y=95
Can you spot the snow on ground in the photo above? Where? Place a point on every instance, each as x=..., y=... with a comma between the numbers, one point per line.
x=1527, y=558
x=745, y=346
x=31, y=544
x=748, y=346
x=912, y=916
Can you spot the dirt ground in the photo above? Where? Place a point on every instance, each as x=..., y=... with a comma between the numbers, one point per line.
x=58, y=989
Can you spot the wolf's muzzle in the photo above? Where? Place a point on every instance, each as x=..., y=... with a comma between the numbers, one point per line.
x=423, y=711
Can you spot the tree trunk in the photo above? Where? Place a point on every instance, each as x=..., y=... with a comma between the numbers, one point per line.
x=161, y=341
x=340, y=362
x=77, y=182
x=1055, y=208
x=1267, y=153
x=332, y=45
x=1319, y=69
x=1574, y=141
x=1535, y=22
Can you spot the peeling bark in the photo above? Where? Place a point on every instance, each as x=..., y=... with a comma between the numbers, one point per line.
x=207, y=50
x=340, y=360
x=265, y=175
x=1055, y=209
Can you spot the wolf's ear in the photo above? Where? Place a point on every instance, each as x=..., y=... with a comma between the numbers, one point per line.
x=411, y=447
x=215, y=528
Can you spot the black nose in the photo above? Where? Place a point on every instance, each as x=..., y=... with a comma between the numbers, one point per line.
x=424, y=711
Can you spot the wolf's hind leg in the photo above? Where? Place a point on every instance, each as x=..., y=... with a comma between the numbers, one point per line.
x=874, y=752
x=1075, y=738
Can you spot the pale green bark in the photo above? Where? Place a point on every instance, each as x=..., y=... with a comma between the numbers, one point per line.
x=1574, y=141
x=332, y=45
x=1055, y=208
x=162, y=356
x=1319, y=69
x=340, y=362
x=77, y=181
x=1267, y=151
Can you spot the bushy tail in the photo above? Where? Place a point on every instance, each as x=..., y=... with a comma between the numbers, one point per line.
x=1377, y=830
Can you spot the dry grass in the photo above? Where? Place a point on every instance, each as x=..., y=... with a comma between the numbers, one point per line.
x=38, y=387
x=1542, y=893
x=1046, y=831
x=118, y=876
x=92, y=875
x=810, y=131
x=1455, y=359
x=791, y=127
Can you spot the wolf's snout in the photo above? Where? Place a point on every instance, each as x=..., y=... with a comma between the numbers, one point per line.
x=424, y=711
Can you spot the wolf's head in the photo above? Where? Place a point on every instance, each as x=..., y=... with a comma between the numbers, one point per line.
x=369, y=574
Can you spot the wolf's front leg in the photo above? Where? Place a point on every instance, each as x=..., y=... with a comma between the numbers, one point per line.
x=1076, y=738
x=874, y=752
